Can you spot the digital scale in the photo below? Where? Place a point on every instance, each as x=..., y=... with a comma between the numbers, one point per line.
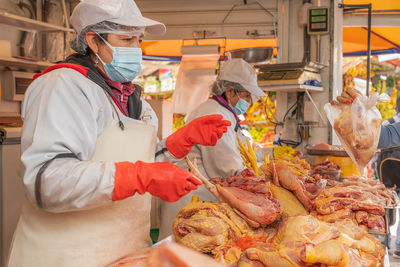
x=318, y=20
x=288, y=73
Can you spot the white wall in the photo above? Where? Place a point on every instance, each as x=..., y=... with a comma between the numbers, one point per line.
x=184, y=18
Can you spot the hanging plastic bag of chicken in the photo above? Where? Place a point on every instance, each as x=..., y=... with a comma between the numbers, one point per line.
x=358, y=126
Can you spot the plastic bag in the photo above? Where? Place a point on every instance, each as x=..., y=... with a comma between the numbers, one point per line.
x=358, y=126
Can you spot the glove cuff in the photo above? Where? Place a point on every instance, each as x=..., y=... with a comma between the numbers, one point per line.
x=177, y=145
x=125, y=180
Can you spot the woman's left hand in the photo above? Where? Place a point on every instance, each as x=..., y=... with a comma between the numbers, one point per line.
x=206, y=131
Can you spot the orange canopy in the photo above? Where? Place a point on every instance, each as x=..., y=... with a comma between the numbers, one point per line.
x=382, y=38
x=172, y=48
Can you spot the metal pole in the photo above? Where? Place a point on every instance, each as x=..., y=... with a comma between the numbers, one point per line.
x=369, y=48
x=39, y=40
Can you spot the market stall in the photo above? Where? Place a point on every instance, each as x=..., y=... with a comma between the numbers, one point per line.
x=306, y=196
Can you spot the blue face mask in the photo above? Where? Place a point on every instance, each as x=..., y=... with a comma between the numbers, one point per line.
x=241, y=106
x=126, y=63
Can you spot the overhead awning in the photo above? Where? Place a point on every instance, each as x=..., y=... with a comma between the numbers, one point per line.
x=171, y=49
x=383, y=39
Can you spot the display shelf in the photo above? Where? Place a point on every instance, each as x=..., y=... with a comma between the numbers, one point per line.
x=24, y=64
x=29, y=24
x=291, y=88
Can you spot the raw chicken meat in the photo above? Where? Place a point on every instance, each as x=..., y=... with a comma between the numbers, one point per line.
x=257, y=209
x=284, y=176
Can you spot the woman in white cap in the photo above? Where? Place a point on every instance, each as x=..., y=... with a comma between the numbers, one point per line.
x=89, y=145
x=233, y=92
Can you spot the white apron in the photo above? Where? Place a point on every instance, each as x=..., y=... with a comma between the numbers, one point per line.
x=98, y=236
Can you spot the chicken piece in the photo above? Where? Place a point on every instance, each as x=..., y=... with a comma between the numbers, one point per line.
x=306, y=229
x=294, y=252
x=255, y=207
x=284, y=176
x=331, y=204
x=202, y=243
x=330, y=253
x=244, y=261
x=350, y=228
x=268, y=255
x=172, y=254
x=288, y=202
x=335, y=216
x=314, y=189
x=206, y=226
x=343, y=192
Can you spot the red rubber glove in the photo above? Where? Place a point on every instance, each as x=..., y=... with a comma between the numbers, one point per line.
x=161, y=179
x=206, y=131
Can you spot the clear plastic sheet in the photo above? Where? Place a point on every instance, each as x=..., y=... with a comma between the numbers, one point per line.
x=358, y=126
x=195, y=77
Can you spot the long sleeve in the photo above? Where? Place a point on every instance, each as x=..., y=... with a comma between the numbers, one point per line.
x=64, y=112
x=390, y=135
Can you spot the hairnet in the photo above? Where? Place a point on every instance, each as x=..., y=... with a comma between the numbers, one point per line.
x=80, y=45
x=219, y=87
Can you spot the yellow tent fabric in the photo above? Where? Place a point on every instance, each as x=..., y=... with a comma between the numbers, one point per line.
x=382, y=38
x=376, y=4
x=172, y=48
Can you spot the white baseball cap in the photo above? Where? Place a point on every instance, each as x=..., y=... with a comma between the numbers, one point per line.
x=123, y=12
x=239, y=71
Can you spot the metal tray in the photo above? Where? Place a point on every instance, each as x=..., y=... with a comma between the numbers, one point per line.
x=323, y=152
x=383, y=238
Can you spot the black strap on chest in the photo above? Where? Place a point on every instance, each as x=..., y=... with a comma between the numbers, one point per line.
x=237, y=125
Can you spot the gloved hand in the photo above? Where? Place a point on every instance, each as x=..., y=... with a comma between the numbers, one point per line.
x=346, y=97
x=161, y=179
x=204, y=131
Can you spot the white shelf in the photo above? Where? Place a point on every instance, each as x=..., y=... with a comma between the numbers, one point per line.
x=292, y=88
x=29, y=24
x=24, y=64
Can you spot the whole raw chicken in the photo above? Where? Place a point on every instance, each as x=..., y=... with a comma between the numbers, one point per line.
x=358, y=135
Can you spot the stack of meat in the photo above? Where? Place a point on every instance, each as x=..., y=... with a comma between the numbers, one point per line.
x=302, y=241
x=249, y=228
x=306, y=241
x=326, y=170
x=359, y=199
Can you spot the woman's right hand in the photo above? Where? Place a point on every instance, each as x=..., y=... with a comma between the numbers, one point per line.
x=161, y=179
x=347, y=97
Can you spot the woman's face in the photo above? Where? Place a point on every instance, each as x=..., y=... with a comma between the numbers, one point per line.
x=233, y=96
x=117, y=40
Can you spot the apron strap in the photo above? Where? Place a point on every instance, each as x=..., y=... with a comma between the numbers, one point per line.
x=38, y=181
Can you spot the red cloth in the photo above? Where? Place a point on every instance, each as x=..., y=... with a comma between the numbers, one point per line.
x=81, y=69
x=121, y=90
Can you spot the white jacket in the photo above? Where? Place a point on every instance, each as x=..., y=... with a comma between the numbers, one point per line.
x=65, y=112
